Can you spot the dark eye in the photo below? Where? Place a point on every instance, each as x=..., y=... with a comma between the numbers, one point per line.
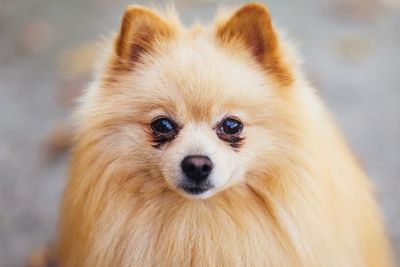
x=163, y=126
x=231, y=126
x=229, y=131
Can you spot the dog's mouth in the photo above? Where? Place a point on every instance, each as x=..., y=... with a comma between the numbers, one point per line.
x=196, y=188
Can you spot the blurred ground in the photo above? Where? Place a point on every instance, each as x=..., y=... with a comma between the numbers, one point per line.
x=351, y=50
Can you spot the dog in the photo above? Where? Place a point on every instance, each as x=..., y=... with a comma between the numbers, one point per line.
x=206, y=146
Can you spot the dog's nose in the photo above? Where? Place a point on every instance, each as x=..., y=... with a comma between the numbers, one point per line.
x=196, y=167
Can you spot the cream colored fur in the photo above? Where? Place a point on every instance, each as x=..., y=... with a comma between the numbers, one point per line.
x=292, y=195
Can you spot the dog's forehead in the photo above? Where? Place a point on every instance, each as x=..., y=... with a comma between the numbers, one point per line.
x=202, y=78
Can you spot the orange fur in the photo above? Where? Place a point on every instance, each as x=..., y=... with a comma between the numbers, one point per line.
x=296, y=197
x=252, y=26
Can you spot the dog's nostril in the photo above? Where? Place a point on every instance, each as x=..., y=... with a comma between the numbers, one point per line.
x=196, y=167
x=191, y=167
x=206, y=168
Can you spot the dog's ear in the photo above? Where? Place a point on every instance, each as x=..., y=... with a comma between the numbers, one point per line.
x=141, y=28
x=251, y=26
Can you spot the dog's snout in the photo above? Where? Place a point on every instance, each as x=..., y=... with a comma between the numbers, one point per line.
x=197, y=167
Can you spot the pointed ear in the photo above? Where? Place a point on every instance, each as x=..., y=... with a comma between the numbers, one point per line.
x=251, y=26
x=141, y=29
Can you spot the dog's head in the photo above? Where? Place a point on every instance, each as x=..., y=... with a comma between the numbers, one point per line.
x=195, y=109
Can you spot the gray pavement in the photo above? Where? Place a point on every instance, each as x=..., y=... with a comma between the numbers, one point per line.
x=351, y=52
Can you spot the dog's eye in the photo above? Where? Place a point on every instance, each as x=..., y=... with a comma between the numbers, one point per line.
x=229, y=131
x=231, y=126
x=163, y=126
x=164, y=131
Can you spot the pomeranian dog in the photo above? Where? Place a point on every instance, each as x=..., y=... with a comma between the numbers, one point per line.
x=205, y=146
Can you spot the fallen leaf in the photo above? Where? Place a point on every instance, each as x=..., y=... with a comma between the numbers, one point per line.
x=75, y=70
x=57, y=141
x=361, y=10
x=77, y=62
x=42, y=257
x=36, y=36
x=354, y=48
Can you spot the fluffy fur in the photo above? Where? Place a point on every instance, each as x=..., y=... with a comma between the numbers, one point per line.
x=290, y=195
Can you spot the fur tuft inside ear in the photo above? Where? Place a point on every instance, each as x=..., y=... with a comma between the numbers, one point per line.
x=141, y=28
x=252, y=27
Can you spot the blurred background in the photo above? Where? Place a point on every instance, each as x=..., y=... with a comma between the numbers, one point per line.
x=351, y=52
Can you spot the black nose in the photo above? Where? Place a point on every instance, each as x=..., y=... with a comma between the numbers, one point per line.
x=196, y=167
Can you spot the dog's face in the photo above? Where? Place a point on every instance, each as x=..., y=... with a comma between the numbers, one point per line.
x=203, y=126
x=193, y=105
